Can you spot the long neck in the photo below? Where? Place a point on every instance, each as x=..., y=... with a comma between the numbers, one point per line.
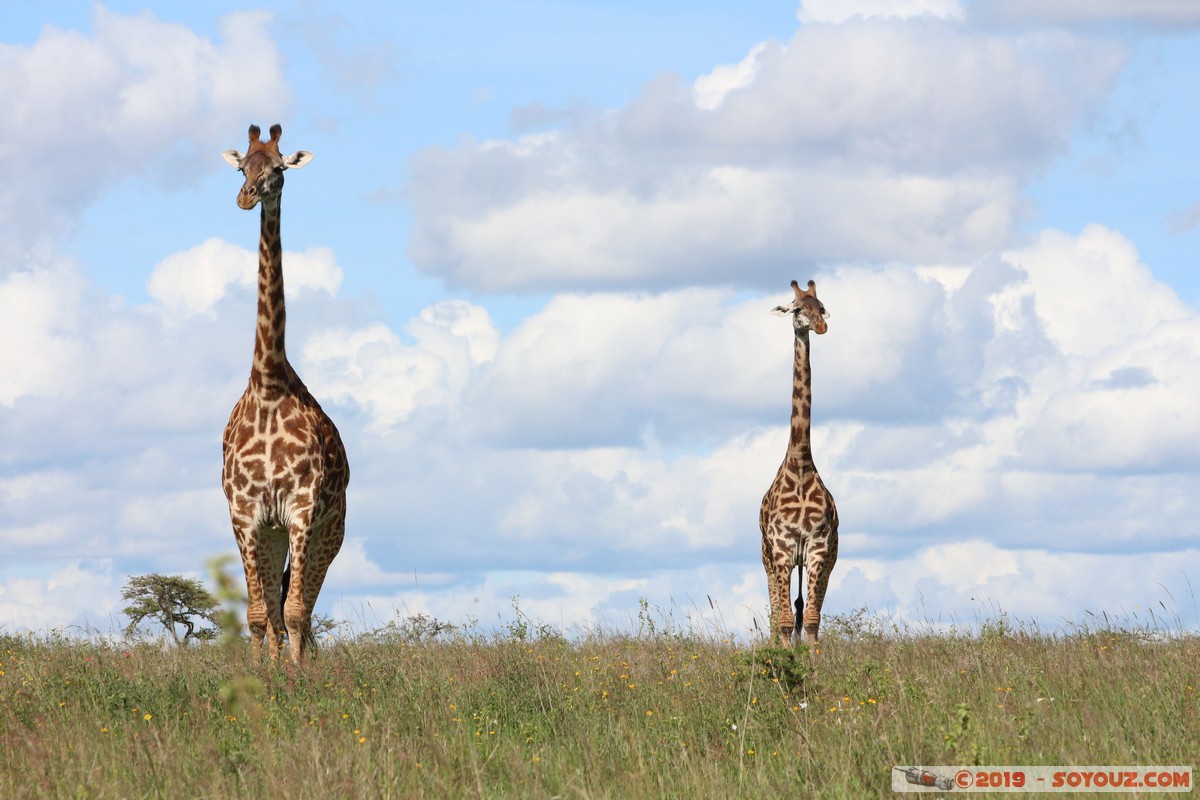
x=269, y=373
x=799, y=444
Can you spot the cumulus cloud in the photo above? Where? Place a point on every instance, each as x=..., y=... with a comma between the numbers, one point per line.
x=1164, y=14
x=1090, y=291
x=996, y=422
x=835, y=11
x=965, y=583
x=193, y=281
x=619, y=429
x=376, y=370
x=940, y=587
x=1130, y=408
x=80, y=593
x=44, y=352
x=876, y=139
x=710, y=89
x=595, y=369
x=134, y=97
x=930, y=402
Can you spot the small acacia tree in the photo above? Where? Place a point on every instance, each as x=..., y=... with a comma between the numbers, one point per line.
x=171, y=601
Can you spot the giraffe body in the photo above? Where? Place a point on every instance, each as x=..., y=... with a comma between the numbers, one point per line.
x=798, y=517
x=285, y=469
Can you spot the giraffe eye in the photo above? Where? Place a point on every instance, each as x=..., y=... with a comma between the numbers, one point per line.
x=821, y=310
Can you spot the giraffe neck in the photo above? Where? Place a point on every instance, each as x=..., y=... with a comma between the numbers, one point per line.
x=799, y=444
x=269, y=372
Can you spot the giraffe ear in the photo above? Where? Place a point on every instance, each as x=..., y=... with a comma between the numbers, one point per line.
x=233, y=157
x=781, y=311
x=297, y=159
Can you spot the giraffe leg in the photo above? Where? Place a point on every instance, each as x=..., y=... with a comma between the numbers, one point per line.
x=779, y=588
x=819, y=567
x=312, y=553
x=293, y=604
x=272, y=560
x=256, y=607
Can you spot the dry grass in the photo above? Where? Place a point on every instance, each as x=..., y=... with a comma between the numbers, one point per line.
x=413, y=712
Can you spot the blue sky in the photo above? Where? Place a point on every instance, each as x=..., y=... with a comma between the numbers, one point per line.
x=529, y=271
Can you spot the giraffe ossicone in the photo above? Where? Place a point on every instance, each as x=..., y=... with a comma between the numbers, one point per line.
x=285, y=469
x=798, y=518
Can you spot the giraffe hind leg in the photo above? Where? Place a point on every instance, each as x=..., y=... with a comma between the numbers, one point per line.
x=309, y=564
x=272, y=563
x=253, y=563
x=819, y=568
x=778, y=567
x=306, y=640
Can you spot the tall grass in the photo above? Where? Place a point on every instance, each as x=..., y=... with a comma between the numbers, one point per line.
x=420, y=709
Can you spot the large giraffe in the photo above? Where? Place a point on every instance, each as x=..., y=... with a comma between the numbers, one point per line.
x=798, y=518
x=285, y=472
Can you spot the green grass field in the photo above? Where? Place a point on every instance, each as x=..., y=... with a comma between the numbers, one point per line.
x=408, y=712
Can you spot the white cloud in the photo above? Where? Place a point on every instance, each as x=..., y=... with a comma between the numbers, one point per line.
x=1090, y=291
x=353, y=571
x=375, y=370
x=727, y=224
x=1169, y=14
x=80, y=593
x=137, y=97
x=1131, y=408
x=605, y=368
x=710, y=89
x=961, y=425
x=959, y=584
x=39, y=323
x=569, y=602
x=73, y=340
x=901, y=140
x=193, y=281
x=834, y=11
x=171, y=520
x=1000, y=422
x=971, y=581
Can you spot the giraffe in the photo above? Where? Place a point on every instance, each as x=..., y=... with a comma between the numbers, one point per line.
x=285, y=469
x=798, y=518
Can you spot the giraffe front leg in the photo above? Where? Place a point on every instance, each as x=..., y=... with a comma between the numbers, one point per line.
x=779, y=588
x=256, y=607
x=819, y=567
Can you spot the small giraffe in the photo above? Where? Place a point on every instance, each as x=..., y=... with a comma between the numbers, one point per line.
x=285, y=472
x=799, y=520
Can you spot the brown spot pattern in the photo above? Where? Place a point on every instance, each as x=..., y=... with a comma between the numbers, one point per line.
x=285, y=470
x=798, y=518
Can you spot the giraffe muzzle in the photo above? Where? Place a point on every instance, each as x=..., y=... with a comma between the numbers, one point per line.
x=247, y=198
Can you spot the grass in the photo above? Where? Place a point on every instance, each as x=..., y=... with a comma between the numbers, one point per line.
x=424, y=710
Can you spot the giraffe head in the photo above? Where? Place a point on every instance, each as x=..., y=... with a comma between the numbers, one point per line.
x=807, y=311
x=263, y=167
